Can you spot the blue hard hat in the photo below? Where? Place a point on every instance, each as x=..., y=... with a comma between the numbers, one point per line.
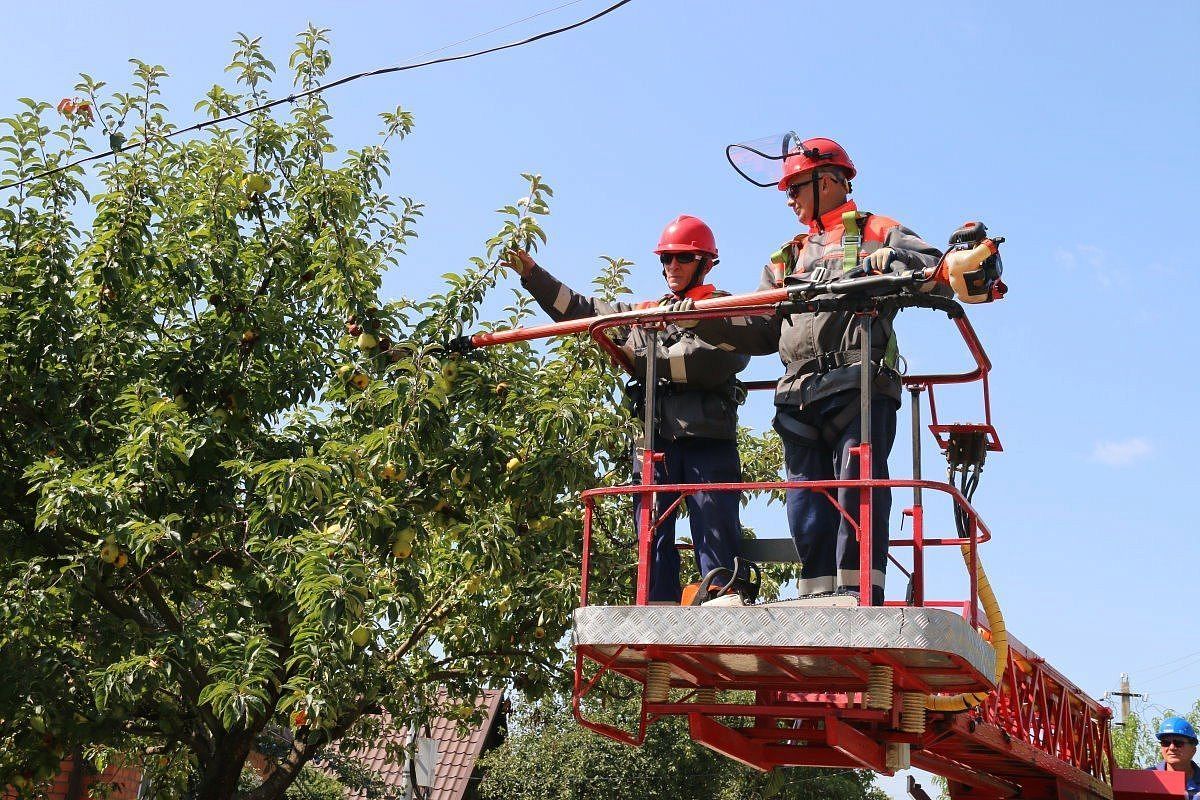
x=1177, y=726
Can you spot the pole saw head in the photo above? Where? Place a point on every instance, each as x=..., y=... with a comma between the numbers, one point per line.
x=972, y=264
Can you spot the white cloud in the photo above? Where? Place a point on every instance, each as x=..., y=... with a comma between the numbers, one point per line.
x=1122, y=453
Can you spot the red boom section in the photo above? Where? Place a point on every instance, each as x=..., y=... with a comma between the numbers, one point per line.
x=813, y=702
x=1039, y=734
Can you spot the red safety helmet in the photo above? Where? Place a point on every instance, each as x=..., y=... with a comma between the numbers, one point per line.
x=687, y=234
x=812, y=154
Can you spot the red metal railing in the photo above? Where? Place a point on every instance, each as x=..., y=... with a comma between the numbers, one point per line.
x=978, y=531
x=762, y=304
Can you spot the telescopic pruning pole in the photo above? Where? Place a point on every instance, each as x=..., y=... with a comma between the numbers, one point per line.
x=866, y=496
x=648, y=501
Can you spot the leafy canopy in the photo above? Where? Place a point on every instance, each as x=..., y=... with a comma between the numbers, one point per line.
x=248, y=503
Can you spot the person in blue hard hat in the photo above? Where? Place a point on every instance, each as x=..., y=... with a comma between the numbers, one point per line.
x=1177, y=738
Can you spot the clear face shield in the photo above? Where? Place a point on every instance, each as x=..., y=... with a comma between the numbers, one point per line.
x=760, y=161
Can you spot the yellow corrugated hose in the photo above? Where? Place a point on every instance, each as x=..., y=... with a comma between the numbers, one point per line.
x=995, y=621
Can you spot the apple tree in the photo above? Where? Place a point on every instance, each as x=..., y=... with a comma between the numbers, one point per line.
x=248, y=503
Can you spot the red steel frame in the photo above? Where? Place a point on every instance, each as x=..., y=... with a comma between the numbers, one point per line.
x=761, y=304
x=1037, y=735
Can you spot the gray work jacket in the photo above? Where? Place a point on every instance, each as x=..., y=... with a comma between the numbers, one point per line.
x=820, y=351
x=697, y=385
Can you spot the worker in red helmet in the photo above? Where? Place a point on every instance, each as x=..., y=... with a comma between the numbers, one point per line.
x=696, y=397
x=817, y=399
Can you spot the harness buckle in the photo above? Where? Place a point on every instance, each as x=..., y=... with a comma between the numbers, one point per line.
x=828, y=362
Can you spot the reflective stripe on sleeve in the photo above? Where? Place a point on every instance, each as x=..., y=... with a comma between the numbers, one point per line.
x=678, y=368
x=563, y=301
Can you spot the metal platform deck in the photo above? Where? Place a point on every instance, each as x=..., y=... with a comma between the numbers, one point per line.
x=786, y=648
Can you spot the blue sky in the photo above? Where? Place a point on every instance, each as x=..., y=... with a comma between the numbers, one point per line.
x=1070, y=128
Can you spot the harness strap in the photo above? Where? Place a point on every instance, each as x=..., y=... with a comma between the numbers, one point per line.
x=733, y=390
x=801, y=430
x=833, y=427
x=851, y=240
x=827, y=362
x=829, y=431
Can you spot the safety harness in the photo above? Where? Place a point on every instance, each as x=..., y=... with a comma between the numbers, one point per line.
x=635, y=390
x=859, y=227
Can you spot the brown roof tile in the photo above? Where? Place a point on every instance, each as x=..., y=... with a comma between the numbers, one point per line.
x=457, y=755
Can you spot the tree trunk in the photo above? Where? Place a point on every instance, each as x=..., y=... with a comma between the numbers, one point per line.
x=219, y=778
x=75, y=779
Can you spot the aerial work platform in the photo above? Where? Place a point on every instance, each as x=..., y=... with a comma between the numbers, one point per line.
x=937, y=684
x=789, y=648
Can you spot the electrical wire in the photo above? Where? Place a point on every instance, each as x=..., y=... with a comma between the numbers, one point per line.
x=291, y=98
x=1186, y=665
x=1176, y=689
x=1155, y=667
x=497, y=29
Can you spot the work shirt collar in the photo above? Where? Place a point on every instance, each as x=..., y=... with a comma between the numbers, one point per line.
x=832, y=219
x=702, y=291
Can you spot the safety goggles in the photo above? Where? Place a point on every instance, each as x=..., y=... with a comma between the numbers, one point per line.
x=793, y=191
x=1168, y=742
x=679, y=258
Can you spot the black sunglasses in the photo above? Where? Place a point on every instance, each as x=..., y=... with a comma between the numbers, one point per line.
x=682, y=258
x=793, y=191
x=1177, y=742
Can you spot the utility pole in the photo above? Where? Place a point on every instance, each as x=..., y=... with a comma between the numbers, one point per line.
x=1125, y=696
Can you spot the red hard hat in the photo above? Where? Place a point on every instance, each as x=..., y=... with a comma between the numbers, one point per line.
x=687, y=234
x=814, y=153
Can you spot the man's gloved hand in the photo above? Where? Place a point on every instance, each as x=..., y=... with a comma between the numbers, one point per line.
x=878, y=261
x=686, y=304
x=519, y=261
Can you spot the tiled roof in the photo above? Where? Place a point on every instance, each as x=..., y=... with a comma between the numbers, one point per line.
x=457, y=755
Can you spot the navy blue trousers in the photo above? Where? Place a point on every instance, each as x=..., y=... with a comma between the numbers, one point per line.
x=825, y=540
x=716, y=528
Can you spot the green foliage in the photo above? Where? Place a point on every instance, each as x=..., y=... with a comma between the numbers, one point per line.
x=549, y=757
x=243, y=493
x=313, y=785
x=1133, y=743
x=310, y=784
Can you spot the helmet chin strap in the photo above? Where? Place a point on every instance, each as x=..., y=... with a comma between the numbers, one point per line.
x=816, y=203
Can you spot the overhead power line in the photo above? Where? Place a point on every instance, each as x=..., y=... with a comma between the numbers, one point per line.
x=1187, y=666
x=1156, y=667
x=291, y=98
x=498, y=28
x=1160, y=692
